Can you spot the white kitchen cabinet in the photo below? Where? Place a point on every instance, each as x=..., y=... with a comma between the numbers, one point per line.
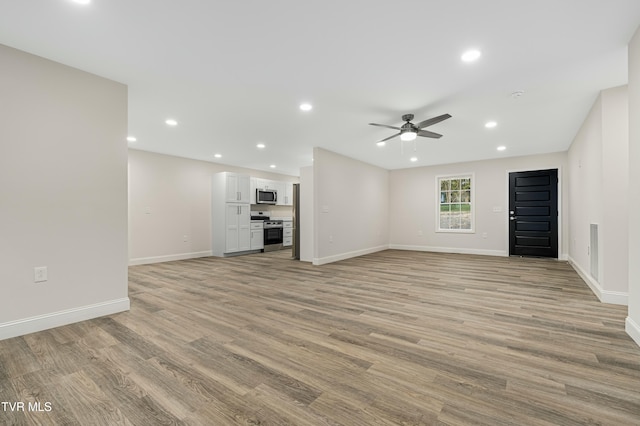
x=257, y=236
x=238, y=188
x=287, y=194
x=265, y=183
x=253, y=184
x=230, y=213
x=287, y=233
x=237, y=227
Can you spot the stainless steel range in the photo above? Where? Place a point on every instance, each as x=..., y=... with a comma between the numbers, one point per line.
x=273, y=230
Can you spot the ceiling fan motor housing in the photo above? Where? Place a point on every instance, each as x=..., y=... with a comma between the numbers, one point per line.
x=407, y=117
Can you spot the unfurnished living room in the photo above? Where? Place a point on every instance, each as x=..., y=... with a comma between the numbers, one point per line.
x=319, y=213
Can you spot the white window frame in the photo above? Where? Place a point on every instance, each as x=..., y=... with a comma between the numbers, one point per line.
x=472, y=202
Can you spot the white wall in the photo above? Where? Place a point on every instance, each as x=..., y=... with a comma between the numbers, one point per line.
x=306, y=214
x=351, y=205
x=63, y=194
x=633, y=320
x=170, y=198
x=598, y=194
x=413, y=205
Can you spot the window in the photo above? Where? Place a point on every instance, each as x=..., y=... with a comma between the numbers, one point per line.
x=455, y=205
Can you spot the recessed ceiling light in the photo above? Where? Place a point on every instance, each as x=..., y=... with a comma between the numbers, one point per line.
x=171, y=122
x=273, y=166
x=501, y=148
x=471, y=55
x=217, y=155
x=413, y=159
x=381, y=143
x=260, y=146
x=306, y=107
x=131, y=139
x=490, y=124
x=82, y=1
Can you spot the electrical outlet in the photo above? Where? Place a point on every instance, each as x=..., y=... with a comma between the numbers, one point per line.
x=40, y=274
x=185, y=238
x=484, y=235
x=420, y=233
x=330, y=238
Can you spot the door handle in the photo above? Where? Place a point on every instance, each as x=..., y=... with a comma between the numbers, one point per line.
x=512, y=218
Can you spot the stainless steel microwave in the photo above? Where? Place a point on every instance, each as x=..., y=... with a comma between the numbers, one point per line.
x=266, y=196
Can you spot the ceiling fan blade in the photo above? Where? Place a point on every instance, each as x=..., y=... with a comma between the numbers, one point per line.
x=390, y=137
x=384, y=125
x=428, y=134
x=432, y=121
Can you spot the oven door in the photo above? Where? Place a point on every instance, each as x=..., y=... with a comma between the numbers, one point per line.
x=272, y=236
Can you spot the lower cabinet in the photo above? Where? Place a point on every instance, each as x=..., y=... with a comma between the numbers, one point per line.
x=257, y=236
x=287, y=233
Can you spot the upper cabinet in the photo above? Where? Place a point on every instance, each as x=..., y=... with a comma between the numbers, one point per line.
x=253, y=184
x=238, y=187
x=287, y=197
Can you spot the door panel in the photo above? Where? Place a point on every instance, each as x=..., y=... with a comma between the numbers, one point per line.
x=533, y=208
x=533, y=196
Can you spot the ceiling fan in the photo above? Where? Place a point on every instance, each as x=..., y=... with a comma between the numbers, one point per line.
x=410, y=131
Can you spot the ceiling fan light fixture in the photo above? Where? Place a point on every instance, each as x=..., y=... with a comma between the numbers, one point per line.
x=408, y=135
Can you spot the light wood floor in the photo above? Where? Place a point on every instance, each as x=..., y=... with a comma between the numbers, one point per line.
x=392, y=338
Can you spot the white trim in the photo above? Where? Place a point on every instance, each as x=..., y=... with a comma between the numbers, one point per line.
x=348, y=255
x=57, y=319
x=168, y=258
x=605, y=296
x=472, y=203
x=455, y=250
x=633, y=329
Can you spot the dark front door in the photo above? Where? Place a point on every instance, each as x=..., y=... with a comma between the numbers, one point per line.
x=533, y=213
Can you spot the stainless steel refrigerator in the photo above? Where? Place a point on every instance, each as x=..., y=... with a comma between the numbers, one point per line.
x=296, y=222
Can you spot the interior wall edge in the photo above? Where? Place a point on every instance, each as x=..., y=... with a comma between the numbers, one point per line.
x=347, y=255
x=168, y=258
x=604, y=296
x=453, y=250
x=633, y=330
x=57, y=319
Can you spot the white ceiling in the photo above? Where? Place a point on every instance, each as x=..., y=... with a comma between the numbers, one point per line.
x=233, y=73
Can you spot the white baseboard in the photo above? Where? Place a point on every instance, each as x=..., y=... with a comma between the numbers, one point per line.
x=605, y=296
x=348, y=255
x=633, y=329
x=57, y=319
x=168, y=258
x=456, y=250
